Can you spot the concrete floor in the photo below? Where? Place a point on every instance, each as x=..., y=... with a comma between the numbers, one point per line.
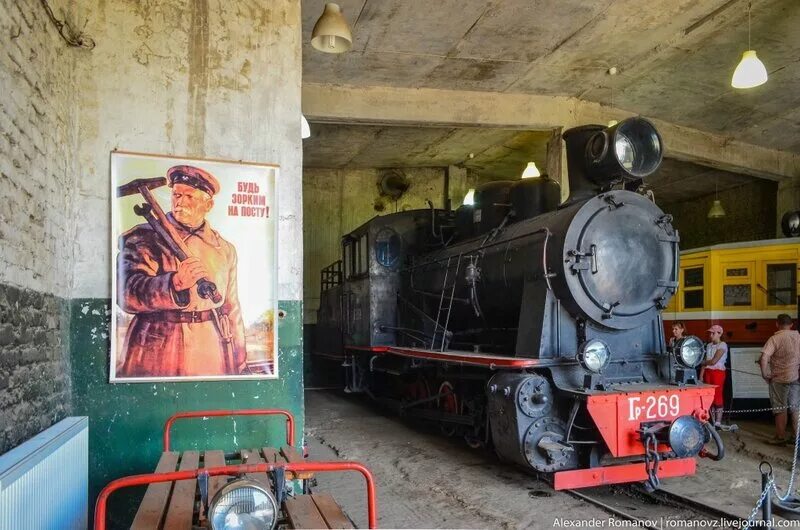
x=426, y=480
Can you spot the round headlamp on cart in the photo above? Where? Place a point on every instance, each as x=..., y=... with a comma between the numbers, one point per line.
x=243, y=504
x=594, y=355
x=689, y=351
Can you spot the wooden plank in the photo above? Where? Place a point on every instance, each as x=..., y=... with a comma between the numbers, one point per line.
x=252, y=456
x=154, y=503
x=181, y=506
x=303, y=513
x=272, y=455
x=214, y=459
x=293, y=455
x=331, y=511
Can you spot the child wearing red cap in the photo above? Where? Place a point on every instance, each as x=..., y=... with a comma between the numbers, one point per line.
x=713, y=369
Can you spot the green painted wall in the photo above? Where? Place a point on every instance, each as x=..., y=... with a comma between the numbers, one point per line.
x=126, y=420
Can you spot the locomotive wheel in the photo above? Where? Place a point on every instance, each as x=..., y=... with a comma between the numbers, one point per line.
x=416, y=391
x=448, y=404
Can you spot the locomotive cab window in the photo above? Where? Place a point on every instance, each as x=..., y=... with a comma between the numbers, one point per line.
x=781, y=284
x=348, y=256
x=363, y=255
x=693, y=292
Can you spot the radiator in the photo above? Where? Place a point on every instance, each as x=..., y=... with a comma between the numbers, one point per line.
x=44, y=481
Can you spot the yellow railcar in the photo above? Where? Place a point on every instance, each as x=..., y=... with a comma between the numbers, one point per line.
x=742, y=287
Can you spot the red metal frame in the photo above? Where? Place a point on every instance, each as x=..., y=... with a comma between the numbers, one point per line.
x=599, y=476
x=618, y=415
x=100, y=510
x=243, y=412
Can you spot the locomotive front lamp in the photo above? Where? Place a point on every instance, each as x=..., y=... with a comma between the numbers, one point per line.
x=630, y=148
x=689, y=351
x=594, y=355
x=243, y=505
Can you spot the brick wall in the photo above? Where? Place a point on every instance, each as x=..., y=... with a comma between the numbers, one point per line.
x=37, y=185
x=750, y=215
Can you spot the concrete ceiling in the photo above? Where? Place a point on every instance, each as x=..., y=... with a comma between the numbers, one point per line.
x=675, y=57
x=498, y=154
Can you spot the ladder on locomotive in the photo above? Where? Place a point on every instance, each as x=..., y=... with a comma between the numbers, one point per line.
x=440, y=337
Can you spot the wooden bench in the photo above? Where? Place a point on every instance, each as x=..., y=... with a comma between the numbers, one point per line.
x=171, y=505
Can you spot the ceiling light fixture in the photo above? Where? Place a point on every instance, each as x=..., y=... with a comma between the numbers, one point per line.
x=531, y=171
x=331, y=33
x=750, y=72
x=305, y=130
x=716, y=211
x=469, y=198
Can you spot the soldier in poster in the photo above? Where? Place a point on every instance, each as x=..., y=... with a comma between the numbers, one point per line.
x=175, y=331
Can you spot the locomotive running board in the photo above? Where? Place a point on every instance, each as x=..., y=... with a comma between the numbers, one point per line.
x=601, y=476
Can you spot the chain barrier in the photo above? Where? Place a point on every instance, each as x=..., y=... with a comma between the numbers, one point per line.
x=771, y=485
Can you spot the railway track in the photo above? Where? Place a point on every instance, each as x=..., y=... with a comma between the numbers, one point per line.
x=658, y=510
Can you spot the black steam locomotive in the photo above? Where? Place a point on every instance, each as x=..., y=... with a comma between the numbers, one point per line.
x=531, y=325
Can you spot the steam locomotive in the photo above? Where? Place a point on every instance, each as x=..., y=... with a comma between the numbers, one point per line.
x=532, y=326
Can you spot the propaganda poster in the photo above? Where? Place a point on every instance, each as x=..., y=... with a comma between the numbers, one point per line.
x=194, y=269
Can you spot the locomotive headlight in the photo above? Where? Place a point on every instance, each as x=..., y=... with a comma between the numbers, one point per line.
x=631, y=148
x=594, y=355
x=689, y=351
x=243, y=505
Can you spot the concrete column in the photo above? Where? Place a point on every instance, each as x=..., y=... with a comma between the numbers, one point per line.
x=557, y=161
x=788, y=199
x=460, y=183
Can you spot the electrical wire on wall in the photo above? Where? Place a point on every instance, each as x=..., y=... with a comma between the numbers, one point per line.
x=72, y=37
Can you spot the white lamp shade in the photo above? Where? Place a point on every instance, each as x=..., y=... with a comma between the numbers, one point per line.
x=716, y=211
x=331, y=33
x=750, y=72
x=531, y=171
x=305, y=130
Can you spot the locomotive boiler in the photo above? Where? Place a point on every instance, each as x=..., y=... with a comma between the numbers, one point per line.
x=532, y=326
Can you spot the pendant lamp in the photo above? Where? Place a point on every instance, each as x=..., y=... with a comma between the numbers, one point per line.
x=750, y=72
x=716, y=211
x=331, y=33
x=531, y=171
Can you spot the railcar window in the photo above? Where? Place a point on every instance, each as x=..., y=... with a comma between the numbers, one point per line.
x=742, y=271
x=693, y=288
x=733, y=295
x=782, y=284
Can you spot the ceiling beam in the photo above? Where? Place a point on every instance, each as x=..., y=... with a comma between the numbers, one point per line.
x=434, y=108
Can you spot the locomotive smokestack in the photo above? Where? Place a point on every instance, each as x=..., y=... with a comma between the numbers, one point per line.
x=598, y=156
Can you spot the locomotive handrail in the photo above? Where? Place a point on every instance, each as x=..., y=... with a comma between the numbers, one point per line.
x=242, y=412
x=100, y=510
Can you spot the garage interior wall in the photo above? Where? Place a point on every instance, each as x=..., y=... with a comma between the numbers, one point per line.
x=38, y=187
x=337, y=201
x=204, y=78
x=749, y=215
